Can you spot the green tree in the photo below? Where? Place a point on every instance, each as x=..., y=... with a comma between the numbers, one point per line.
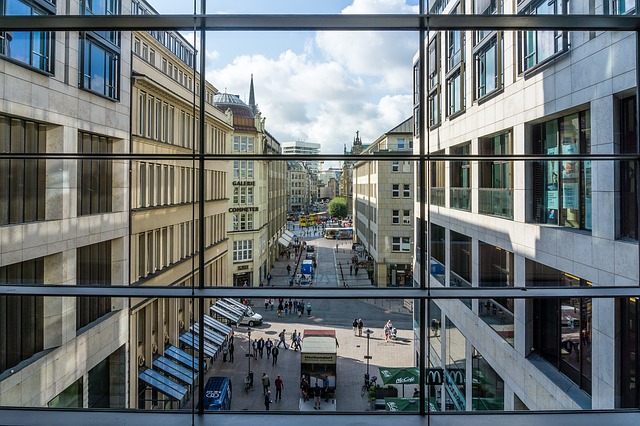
x=338, y=207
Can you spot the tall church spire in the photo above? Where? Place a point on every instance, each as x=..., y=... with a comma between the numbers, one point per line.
x=252, y=98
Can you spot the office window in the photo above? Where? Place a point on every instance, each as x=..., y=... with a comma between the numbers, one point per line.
x=455, y=68
x=628, y=210
x=93, y=268
x=539, y=46
x=437, y=181
x=624, y=7
x=488, y=60
x=486, y=7
x=395, y=217
x=33, y=48
x=100, y=67
x=23, y=183
x=242, y=250
x=401, y=244
x=488, y=386
x=460, y=258
x=95, y=187
x=406, y=190
x=395, y=166
x=395, y=190
x=401, y=144
x=21, y=317
x=433, y=79
x=460, y=179
x=406, y=217
x=562, y=189
x=495, y=194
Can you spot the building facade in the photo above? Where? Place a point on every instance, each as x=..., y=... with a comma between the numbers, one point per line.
x=538, y=223
x=383, y=197
x=164, y=223
x=65, y=96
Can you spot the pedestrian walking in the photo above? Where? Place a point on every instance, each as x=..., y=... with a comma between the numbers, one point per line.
x=308, y=308
x=304, y=388
x=225, y=352
x=299, y=342
x=261, y=347
x=294, y=342
x=279, y=386
x=355, y=326
x=274, y=355
x=288, y=269
x=360, y=327
x=351, y=269
x=317, y=392
x=269, y=279
x=267, y=400
x=286, y=308
x=268, y=345
x=282, y=341
x=280, y=308
x=356, y=271
x=266, y=382
x=231, y=349
x=254, y=345
x=266, y=304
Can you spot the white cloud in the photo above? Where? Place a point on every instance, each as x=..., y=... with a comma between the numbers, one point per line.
x=335, y=85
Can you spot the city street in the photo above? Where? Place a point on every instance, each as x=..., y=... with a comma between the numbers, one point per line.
x=332, y=314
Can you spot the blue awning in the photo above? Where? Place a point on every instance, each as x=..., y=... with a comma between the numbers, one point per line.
x=209, y=334
x=217, y=325
x=163, y=384
x=192, y=340
x=175, y=370
x=182, y=357
x=225, y=314
x=235, y=303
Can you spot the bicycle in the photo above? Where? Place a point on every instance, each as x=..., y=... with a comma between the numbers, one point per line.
x=368, y=382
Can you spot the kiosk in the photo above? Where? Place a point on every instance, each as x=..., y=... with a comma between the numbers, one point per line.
x=318, y=358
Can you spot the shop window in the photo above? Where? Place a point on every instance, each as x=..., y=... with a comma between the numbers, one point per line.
x=562, y=327
x=562, y=189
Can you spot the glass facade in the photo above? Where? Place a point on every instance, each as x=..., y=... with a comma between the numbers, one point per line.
x=145, y=242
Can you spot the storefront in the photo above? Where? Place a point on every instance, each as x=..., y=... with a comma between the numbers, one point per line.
x=399, y=275
x=242, y=279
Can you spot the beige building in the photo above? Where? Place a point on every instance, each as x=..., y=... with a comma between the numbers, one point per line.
x=383, y=202
x=64, y=221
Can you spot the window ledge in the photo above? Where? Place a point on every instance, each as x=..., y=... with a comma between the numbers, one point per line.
x=544, y=64
x=490, y=96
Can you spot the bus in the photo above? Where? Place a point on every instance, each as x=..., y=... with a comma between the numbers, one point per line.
x=303, y=221
x=338, y=233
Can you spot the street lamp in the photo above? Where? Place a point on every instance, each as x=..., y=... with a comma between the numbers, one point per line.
x=249, y=355
x=368, y=332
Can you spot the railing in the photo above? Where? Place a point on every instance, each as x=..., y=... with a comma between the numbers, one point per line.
x=496, y=202
x=460, y=198
x=437, y=197
x=498, y=317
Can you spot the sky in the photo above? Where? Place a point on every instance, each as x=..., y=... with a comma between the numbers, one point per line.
x=317, y=87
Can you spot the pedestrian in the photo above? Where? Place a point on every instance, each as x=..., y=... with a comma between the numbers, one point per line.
x=308, y=308
x=317, y=392
x=279, y=386
x=254, y=345
x=267, y=400
x=225, y=352
x=280, y=308
x=286, y=308
x=271, y=304
x=266, y=382
x=304, y=388
x=288, y=269
x=231, y=349
x=355, y=326
x=269, y=279
x=356, y=271
x=266, y=304
x=299, y=342
x=261, y=347
x=274, y=355
x=360, y=327
x=282, y=341
x=351, y=269
x=293, y=340
x=269, y=345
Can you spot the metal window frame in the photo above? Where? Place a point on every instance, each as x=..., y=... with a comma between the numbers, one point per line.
x=421, y=24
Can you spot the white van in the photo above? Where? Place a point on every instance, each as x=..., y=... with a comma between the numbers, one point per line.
x=250, y=317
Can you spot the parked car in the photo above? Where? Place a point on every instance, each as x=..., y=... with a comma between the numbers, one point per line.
x=310, y=248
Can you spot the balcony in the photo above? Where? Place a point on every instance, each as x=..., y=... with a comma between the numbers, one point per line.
x=460, y=198
x=496, y=202
x=437, y=197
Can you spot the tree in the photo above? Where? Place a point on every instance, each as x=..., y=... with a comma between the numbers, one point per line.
x=338, y=207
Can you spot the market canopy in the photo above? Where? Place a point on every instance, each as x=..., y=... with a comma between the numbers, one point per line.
x=407, y=405
x=400, y=375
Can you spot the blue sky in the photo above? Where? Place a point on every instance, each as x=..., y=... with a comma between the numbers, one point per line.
x=314, y=86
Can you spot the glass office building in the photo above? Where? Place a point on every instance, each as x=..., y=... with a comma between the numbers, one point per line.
x=134, y=210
